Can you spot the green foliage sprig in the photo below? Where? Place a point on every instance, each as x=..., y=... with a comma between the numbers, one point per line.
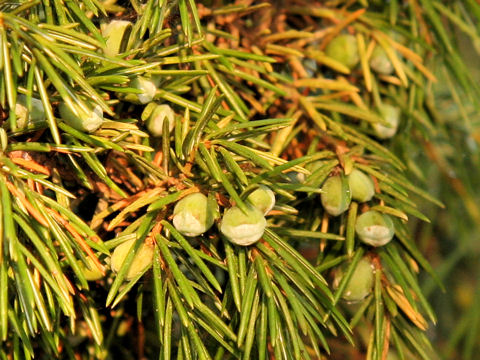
x=256, y=96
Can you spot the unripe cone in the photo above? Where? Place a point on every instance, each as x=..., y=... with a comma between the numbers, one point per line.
x=88, y=121
x=344, y=49
x=159, y=114
x=262, y=198
x=91, y=273
x=380, y=62
x=361, y=282
x=142, y=260
x=361, y=186
x=243, y=228
x=194, y=214
x=146, y=86
x=391, y=115
x=336, y=195
x=374, y=228
x=117, y=33
x=25, y=117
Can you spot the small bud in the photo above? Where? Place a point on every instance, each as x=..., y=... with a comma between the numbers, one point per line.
x=262, y=198
x=380, y=62
x=241, y=228
x=117, y=33
x=194, y=214
x=142, y=260
x=147, y=87
x=336, y=195
x=374, y=228
x=344, y=49
x=361, y=186
x=296, y=177
x=25, y=117
x=361, y=282
x=88, y=121
x=310, y=66
x=159, y=114
x=391, y=115
x=91, y=272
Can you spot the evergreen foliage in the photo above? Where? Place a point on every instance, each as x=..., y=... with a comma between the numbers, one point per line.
x=113, y=112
